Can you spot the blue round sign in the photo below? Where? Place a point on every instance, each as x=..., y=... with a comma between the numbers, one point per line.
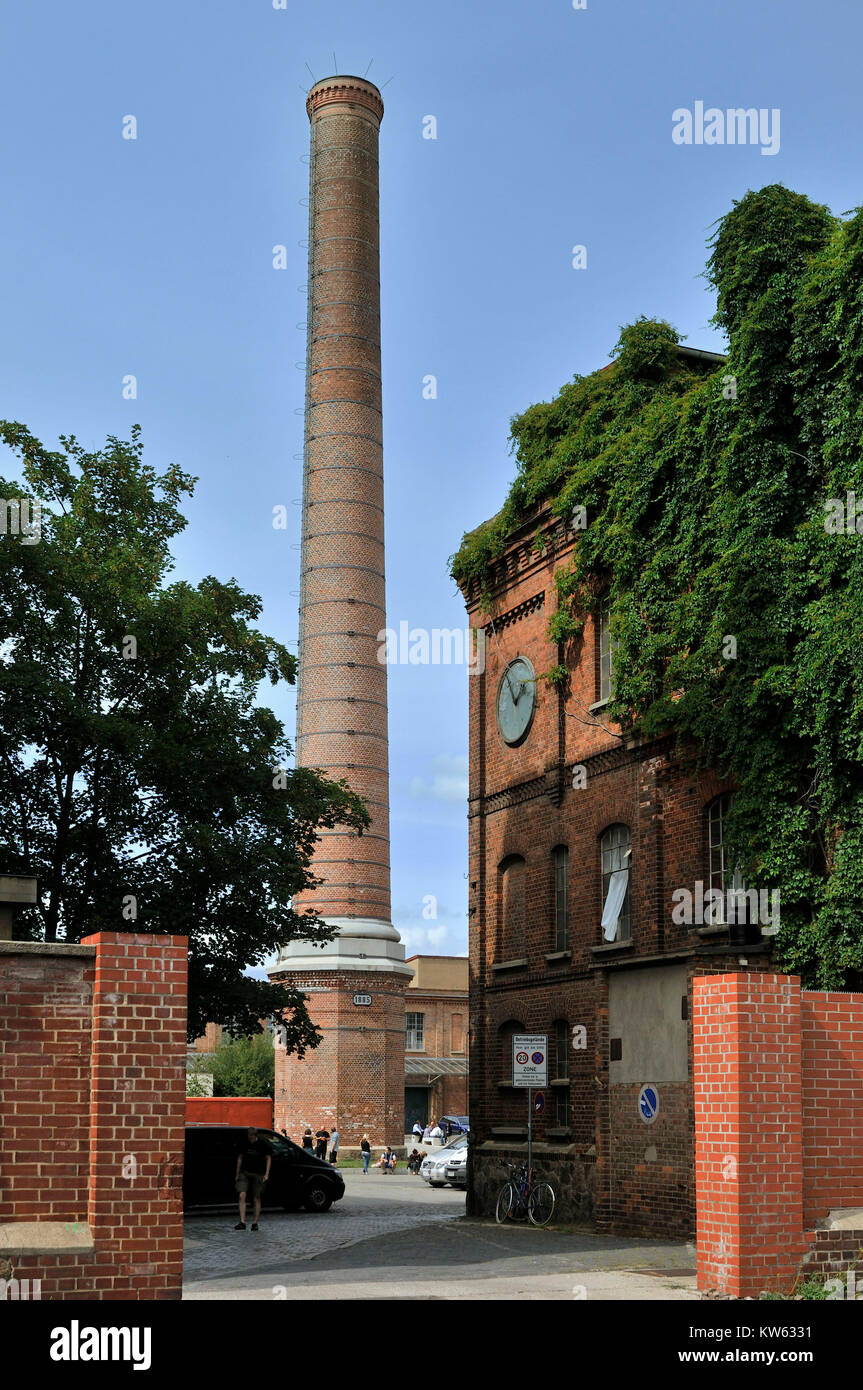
x=648, y=1104
x=537, y=1059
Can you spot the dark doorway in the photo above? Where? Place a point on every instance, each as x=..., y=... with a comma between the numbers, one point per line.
x=416, y=1106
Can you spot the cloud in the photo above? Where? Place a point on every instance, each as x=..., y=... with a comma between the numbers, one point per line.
x=449, y=781
x=425, y=941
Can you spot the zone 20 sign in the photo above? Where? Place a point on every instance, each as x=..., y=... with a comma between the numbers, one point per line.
x=530, y=1059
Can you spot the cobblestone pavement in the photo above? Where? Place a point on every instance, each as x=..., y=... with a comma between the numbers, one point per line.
x=394, y=1237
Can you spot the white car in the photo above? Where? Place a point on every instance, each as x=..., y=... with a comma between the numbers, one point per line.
x=433, y=1167
x=455, y=1171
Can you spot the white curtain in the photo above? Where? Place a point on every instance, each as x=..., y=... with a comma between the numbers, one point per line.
x=617, y=886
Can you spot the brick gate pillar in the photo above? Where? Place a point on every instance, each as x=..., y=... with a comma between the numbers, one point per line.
x=748, y=1131
x=137, y=1115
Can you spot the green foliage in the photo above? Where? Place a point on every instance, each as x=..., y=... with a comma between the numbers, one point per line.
x=244, y=1067
x=137, y=767
x=196, y=1071
x=556, y=676
x=706, y=502
x=563, y=627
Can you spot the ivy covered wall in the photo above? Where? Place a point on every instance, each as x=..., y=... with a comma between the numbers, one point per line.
x=720, y=519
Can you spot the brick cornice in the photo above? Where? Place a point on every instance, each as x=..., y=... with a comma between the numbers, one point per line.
x=521, y=610
x=521, y=557
x=345, y=91
x=609, y=760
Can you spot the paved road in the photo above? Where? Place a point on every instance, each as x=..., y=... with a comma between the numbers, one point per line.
x=394, y=1237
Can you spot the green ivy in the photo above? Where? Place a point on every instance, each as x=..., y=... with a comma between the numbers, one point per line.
x=738, y=615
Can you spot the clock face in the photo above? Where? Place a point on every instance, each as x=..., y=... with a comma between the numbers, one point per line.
x=516, y=700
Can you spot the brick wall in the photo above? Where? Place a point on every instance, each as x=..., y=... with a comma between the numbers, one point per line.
x=47, y=1006
x=832, y=1066
x=93, y=1109
x=778, y=1105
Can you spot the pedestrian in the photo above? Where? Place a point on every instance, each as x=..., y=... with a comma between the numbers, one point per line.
x=322, y=1136
x=387, y=1161
x=253, y=1169
x=308, y=1140
x=414, y=1161
x=366, y=1152
x=417, y=1131
x=437, y=1134
x=334, y=1147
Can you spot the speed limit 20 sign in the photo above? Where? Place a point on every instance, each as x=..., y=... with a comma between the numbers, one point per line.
x=530, y=1059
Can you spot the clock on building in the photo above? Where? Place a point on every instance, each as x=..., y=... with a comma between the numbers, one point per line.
x=516, y=700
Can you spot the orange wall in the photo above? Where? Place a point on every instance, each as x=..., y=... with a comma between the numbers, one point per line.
x=230, y=1110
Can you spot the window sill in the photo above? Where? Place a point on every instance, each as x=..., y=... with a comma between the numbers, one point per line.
x=516, y=1131
x=557, y=957
x=559, y=1081
x=599, y=704
x=564, y=1132
x=508, y=1086
x=509, y=964
x=609, y=947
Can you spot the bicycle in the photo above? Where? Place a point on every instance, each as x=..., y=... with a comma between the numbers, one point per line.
x=520, y=1198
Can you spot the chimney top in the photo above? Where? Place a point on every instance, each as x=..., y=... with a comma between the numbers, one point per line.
x=345, y=91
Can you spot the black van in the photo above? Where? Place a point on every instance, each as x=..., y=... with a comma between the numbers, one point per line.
x=297, y=1179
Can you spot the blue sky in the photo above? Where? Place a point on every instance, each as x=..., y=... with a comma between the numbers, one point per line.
x=154, y=257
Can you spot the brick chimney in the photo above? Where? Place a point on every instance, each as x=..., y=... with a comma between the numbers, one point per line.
x=342, y=689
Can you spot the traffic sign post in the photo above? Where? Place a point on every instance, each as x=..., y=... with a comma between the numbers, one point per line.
x=530, y=1069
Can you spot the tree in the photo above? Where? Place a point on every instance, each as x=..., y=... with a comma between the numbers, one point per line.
x=244, y=1067
x=143, y=785
x=711, y=494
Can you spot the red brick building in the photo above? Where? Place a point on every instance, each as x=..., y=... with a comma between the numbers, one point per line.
x=436, y=1039
x=579, y=836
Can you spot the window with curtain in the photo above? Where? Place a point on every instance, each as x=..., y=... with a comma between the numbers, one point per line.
x=616, y=854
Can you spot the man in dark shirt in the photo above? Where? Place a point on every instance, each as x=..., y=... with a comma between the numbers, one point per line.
x=253, y=1169
x=322, y=1136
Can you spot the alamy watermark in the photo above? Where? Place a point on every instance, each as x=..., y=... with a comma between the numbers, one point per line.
x=437, y=646
x=718, y=907
x=735, y=126
x=21, y=516
x=843, y=518
x=20, y=1290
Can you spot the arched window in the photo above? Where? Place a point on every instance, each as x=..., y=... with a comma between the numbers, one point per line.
x=616, y=855
x=506, y=1033
x=511, y=928
x=560, y=862
x=607, y=647
x=560, y=1033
